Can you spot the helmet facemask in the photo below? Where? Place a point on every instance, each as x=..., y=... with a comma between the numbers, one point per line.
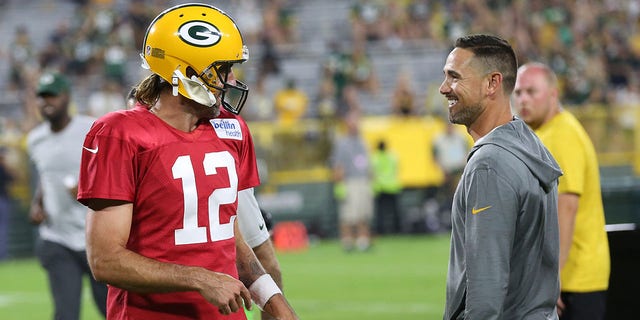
x=234, y=94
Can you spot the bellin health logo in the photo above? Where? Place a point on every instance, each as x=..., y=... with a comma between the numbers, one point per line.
x=227, y=128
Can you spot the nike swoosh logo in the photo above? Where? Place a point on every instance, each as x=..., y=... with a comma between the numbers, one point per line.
x=476, y=211
x=261, y=226
x=94, y=151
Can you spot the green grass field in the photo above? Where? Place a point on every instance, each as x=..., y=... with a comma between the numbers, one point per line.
x=400, y=278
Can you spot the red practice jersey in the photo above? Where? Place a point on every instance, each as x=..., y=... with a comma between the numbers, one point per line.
x=183, y=187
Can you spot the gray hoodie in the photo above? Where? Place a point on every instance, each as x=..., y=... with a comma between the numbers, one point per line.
x=504, y=244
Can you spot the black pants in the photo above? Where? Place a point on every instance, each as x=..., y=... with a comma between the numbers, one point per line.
x=65, y=270
x=386, y=204
x=584, y=305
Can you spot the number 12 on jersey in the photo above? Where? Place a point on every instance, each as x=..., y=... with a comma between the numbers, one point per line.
x=191, y=232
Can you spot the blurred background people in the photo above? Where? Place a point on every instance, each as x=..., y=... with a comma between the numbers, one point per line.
x=6, y=178
x=450, y=150
x=290, y=103
x=386, y=189
x=107, y=98
x=352, y=171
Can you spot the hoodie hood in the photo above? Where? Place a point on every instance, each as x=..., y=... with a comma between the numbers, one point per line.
x=518, y=139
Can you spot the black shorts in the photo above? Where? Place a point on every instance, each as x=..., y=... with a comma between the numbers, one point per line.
x=584, y=305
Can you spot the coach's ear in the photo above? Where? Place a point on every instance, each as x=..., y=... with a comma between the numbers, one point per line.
x=494, y=83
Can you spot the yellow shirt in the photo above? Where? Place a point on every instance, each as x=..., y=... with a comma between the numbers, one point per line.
x=588, y=266
x=291, y=105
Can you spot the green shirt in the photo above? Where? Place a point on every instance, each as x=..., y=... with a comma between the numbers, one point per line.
x=385, y=171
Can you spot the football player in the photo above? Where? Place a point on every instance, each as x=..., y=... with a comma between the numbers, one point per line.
x=163, y=181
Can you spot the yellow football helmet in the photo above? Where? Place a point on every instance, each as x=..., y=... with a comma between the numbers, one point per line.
x=193, y=46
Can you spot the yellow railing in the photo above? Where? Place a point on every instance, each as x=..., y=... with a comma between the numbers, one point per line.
x=299, y=153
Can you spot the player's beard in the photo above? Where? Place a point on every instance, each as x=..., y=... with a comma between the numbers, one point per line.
x=55, y=112
x=201, y=111
x=207, y=113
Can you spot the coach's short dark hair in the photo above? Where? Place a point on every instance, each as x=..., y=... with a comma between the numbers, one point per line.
x=496, y=55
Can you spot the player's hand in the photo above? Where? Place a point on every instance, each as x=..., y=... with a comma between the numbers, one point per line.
x=225, y=292
x=37, y=214
x=560, y=306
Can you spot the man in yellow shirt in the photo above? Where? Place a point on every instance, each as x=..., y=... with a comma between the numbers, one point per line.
x=290, y=103
x=584, y=248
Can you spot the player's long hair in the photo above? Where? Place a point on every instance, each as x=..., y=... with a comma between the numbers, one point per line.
x=149, y=89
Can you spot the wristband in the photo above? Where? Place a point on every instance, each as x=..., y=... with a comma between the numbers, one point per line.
x=263, y=289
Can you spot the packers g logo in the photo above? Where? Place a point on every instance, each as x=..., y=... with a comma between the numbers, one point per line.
x=199, y=33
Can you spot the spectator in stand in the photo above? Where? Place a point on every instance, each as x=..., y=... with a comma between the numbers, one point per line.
x=108, y=98
x=350, y=102
x=270, y=58
x=336, y=68
x=368, y=21
x=261, y=102
x=325, y=102
x=290, y=103
x=249, y=20
x=275, y=23
x=363, y=73
x=114, y=60
x=403, y=101
x=21, y=55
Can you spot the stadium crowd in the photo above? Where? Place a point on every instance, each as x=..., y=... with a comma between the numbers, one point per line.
x=593, y=45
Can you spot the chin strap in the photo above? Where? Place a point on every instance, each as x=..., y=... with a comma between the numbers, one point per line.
x=174, y=84
x=195, y=89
